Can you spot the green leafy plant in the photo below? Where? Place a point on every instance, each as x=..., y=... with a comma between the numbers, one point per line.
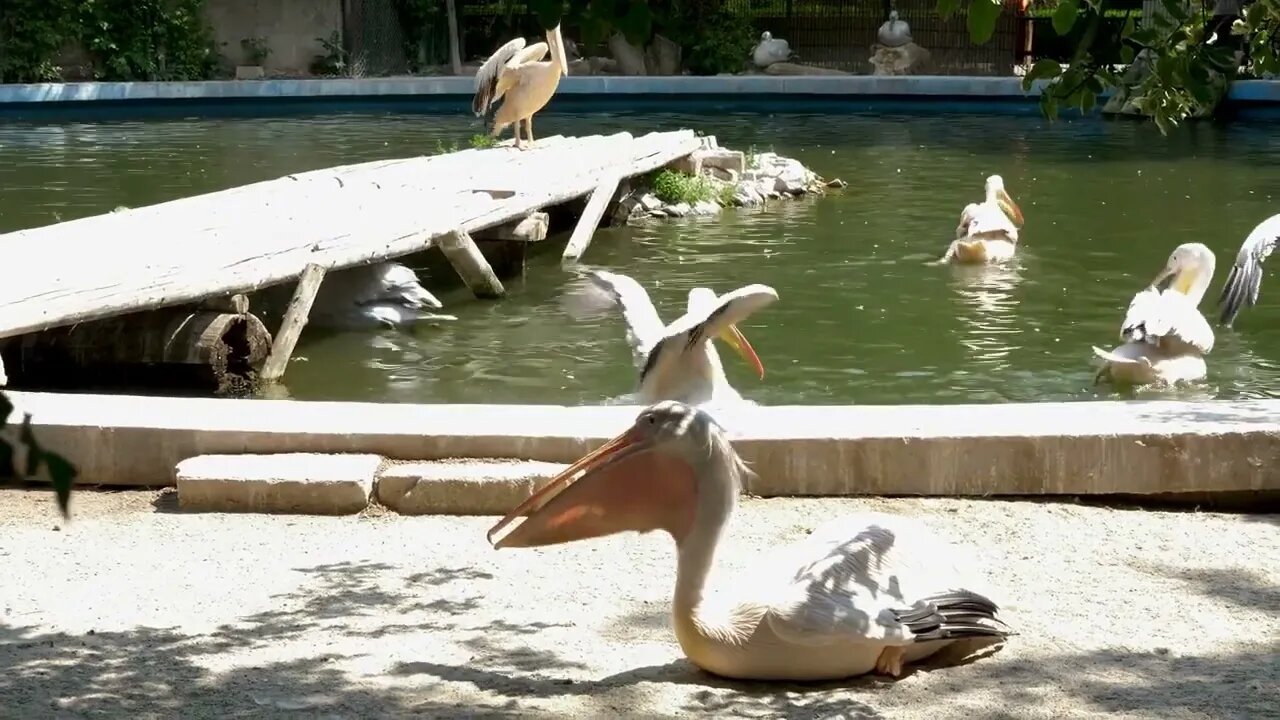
x=720, y=43
x=255, y=49
x=671, y=187
x=147, y=39
x=443, y=148
x=334, y=59
x=22, y=457
x=426, y=32
x=482, y=141
x=32, y=34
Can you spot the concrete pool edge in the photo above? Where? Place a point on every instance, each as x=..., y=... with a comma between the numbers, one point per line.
x=918, y=86
x=1081, y=448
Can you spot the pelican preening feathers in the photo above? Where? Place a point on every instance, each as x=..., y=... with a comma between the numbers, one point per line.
x=1165, y=336
x=677, y=361
x=1244, y=281
x=524, y=82
x=862, y=593
x=988, y=231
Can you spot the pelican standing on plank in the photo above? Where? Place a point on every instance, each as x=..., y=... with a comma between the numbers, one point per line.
x=524, y=82
x=988, y=231
x=863, y=593
x=1245, y=279
x=678, y=361
x=1165, y=336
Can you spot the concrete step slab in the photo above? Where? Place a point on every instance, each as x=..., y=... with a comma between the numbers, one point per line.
x=462, y=486
x=298, y=483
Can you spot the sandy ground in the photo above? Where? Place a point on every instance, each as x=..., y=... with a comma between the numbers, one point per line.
x=137, y=608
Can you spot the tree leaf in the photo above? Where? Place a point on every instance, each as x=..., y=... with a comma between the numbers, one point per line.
x=1064, y=18
x=637, y=24
x=1176, y=9
x=1087, y=100
x=1044, y=69
x=1126, y=54
x=982, y=20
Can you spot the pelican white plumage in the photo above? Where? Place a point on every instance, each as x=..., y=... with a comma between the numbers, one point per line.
x=988, y=231
x=524, y=82
x=1244, y=281
x=894, y=32
x=382, y=294
x=862, y=593
x=770, y=50
x=1165, y=335
x=677, y=361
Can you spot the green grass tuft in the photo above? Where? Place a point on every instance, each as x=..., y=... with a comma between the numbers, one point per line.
x=482, y=141
x=676, y=187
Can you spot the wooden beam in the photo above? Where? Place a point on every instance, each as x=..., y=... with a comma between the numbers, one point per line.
x=469, y=262
x=455, y=53
x=237, y=304
x=295, y=318
x=531, y=228
x=590, y=220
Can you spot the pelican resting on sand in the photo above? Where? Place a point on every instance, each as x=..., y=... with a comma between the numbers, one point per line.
x=678, y=361
x=385, y=294
x=524, y=82
x=1165, y=336
x=863, y=593
x=1245, y=279
x=988, y=231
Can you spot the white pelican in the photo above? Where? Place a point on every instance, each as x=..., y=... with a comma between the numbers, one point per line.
x=862, y=593
x=988, y=231
x=522, y=80
x=1165, y=336
x=770, y=51
x=1245, y=279
x=678, y=361
x=894, y=32
x=384, y=294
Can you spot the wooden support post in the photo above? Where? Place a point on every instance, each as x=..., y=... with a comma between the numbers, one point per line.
x=455, y=52
x=590, y=220
x=469, y=262
x=295, y=318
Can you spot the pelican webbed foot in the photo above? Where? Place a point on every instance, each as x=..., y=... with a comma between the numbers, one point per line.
x=890, y=661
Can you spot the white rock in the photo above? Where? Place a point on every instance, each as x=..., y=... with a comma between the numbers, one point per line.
x=678, y=210
x=706, y=207
x=650, y=202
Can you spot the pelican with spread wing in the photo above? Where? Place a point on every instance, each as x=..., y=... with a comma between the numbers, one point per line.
x=522, y=80
x=1245, y=279
x=863, y=593
x=1165, y=336
x=988, y=231
x=678, y=361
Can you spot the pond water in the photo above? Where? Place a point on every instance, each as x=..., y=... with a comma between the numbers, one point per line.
x=863, y=317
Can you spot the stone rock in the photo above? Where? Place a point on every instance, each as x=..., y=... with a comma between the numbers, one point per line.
x=706, y=207
x=787, y=68
x=601, y=65
x=909, y=59
x=308, y=483
x=650, y=202
x=249, y=72
x=663, y=56
x=580, y=67
x=629, y=57
x=689, y=164
x=678, y=210
x=463, y=486
x=735, y=160
x=722, y=174
x=837, y=183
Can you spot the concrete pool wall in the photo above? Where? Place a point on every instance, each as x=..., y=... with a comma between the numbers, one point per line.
x=1079, y=448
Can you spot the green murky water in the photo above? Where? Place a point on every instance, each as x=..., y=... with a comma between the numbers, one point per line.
x=862, y=317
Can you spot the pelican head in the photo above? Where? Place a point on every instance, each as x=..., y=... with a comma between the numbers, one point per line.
x=766, y=36
x=653, y=476
x=893, y=16
x=556, y=42
x=997, y=194
x=703, y=303
x=1189, y=268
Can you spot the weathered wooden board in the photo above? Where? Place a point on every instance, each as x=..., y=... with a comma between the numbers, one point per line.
x=245, y=238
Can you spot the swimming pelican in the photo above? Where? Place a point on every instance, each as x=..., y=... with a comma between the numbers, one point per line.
x=384, y=294
x=1165, y=336
x=894, y=32
x=522, y=80
x=862, y=593
x=678, y=361
x=1245, y=279
x=770, y=51
x=988, y=231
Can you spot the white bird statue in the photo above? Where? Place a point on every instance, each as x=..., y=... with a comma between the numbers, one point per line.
x=1245, y=279
x=770, y=51
x=894, y=32
x=677, y=361
x=382, y=294
x=863, y=593
x=1165, y=336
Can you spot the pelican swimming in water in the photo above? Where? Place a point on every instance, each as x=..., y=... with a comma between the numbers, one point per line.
x=1165, y=336
x=678, y=361
x=1245, y=279
x=524, y=82
x=382, y=294
x=988, y=231
x=862, y=593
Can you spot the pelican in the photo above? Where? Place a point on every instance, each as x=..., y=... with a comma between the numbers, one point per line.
x=988, y=231
x=678, y=361
x=522, y=80
x=1165, y=336
x=863, y=593
x=770, y=51
x=1245, y=279
x=385, y=294
x=894, y=32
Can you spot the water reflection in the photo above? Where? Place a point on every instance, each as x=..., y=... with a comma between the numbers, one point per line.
x=987, y=310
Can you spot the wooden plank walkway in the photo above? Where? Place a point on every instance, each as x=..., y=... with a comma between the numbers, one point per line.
x=248, y=237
